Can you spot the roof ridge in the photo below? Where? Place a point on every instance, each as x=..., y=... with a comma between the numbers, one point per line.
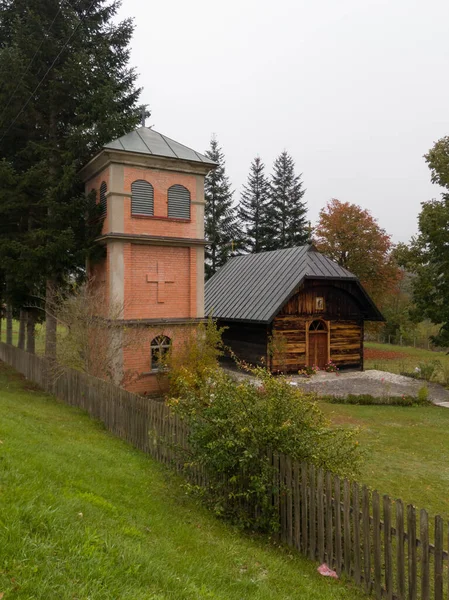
x=180, y=144
x=143, y=141
x=165, y=140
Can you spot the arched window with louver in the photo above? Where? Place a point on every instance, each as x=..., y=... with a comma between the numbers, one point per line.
x=178, y=202
x=103, y=201
x=142, y=198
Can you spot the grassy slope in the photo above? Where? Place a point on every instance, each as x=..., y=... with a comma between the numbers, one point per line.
x=407, y=451
x=407, y=363
x=84, y=516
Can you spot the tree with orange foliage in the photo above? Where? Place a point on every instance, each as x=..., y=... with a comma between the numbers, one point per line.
x=352, y=237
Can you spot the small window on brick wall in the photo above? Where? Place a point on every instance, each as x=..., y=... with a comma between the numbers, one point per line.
x=178, y=202
x=142, y=198
x=160, y=345
x=103, y=200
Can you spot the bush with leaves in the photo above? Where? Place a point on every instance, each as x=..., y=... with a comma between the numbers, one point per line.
x=235, y=424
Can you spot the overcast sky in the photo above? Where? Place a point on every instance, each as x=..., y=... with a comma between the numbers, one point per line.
x=356, y=90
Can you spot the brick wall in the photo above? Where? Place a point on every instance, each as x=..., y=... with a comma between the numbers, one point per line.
x=141, y=297
x=137, y=357
x=159, y=224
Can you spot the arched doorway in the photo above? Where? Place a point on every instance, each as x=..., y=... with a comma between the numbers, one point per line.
x=317, y=344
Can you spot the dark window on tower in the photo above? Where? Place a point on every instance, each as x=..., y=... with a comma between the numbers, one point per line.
x=178, y=202
x=103, y=201
x=142, y=198
x=160, y=345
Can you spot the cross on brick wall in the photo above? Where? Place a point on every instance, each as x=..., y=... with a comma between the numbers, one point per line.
x=160, y=279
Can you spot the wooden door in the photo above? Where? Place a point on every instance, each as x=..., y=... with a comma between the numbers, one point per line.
x=317, y=349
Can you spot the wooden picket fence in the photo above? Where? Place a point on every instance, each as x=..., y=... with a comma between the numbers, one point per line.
x=377, y=542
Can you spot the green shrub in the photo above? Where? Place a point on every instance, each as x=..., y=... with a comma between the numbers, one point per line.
x=234, y=424
x=423, y=394
x=190, y=365
x=443, y=371
x=426, y=370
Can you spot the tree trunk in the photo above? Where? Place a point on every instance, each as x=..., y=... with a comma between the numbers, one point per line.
x=9, y=324
x=22, y=326
x=50, y=322
x=31, y=348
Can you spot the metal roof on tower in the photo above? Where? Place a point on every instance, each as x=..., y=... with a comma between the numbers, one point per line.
x=148, y=141
x=254, y=287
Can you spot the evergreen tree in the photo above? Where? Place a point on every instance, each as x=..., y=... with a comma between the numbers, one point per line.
x=253, y=208
x=65, y=90
x=287, y=211
x=221, y=225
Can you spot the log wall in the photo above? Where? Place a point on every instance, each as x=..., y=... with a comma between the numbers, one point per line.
x=346, y=343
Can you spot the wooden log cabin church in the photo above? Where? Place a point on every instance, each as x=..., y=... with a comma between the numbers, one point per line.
x=291, y=308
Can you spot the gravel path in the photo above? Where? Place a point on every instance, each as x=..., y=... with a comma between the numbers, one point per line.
x=375, y=383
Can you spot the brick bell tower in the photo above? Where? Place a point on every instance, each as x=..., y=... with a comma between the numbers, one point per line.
x=151, y=190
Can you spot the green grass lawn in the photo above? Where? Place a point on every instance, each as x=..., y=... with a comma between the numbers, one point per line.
x=381, y=356
x=85, y=516
x=407, y=451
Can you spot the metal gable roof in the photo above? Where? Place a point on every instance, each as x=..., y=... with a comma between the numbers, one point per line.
x=254, y=287
x=147, y=141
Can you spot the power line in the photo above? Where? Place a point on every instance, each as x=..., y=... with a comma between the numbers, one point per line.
x=48, y=71
x=28, y=67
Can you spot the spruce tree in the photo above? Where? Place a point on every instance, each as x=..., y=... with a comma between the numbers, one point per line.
x=287, y=211
x=65, y=90
x=221, y=225
x=253, y=209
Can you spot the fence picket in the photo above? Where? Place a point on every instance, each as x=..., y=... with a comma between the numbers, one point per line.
x=400, y=564
x=337, y=494
x=289, y=499
x=438, y=559
x=304, y=510
x=388, y=548
x=347, y=527
x=312, y=514
x=329, y=522
x=366, y=539
x=425, y=570
x=377, y=546
x=320, y=514
x=412, y=567
x=296, y=506
x=356, y=529
x=283, y=499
